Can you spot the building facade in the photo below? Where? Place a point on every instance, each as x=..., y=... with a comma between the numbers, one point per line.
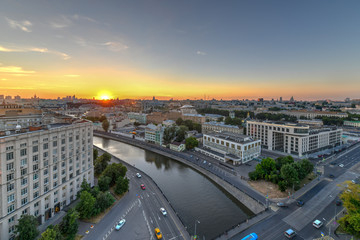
x=24, y=121
x=235, y=148
x=293, y=138
x=352, y=123
x=41, y=170
x=154, y=134
x=220, y=127
x=137, y=117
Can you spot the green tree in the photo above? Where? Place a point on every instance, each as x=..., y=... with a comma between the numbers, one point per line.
x=191, y=142
x=95, y=154
x=280, y=161
x=103, y=201
x=69, y=224
x=351, y=199
x=102, y=118
x=86, y=205
x=169, y=134
x=85, y=186
x=307, y=166
x=105, y=125
x=52, y=233
x=122, y=185
x=179, y=121
x=289, y=174
x=26, y=229
x=101, y=163
x=265, y=168
x=197, y=127
x=104, y=183
x=114, y=171
x=180, y=133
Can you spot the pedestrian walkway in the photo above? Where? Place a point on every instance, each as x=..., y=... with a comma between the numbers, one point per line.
x=56, y=219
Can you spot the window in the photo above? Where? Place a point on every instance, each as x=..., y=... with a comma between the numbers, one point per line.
x=46, y=163
x=11, y=208
x=63, y=141
x=24, y=201
x=35, y=149
x=54, y=143
x=36, y=185
x=10, y=166
x=55, y=168
x=45, y=154
x=9, y=156
x=35, y=158
x=9, y=148
x=36, y=204
x=25, y=211
x=35, y=142
x=46, y=146
x=55, y=176
x=11, y=198
x=24, y=181
x=10, y=177
x=23, y=171
x=12, y=219
x=55, y=184
x=22, y=152
x=70, y=139
x=46, y=189
x=23, y=162
x=36, y=213
x=35, y=167
x=46, y=181
x=35, y=176
x=46, y=171
x=36, y=194
x=24, y=191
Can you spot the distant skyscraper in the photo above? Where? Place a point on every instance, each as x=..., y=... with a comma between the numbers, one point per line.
x=280, y=99
x=292, y=99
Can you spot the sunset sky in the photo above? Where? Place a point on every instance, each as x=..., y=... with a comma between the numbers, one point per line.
x=180, y=49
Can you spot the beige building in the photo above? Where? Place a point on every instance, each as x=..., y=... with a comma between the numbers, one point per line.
x=352, y=123
x=293, y=138
x=41, y=170
x=220, y=127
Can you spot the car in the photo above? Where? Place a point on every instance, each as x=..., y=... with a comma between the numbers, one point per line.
x=281, y=204
x=158, y=233
x=333, y=163
x=317, y=223
x=142, y=186
x=120, y=224
x=290, y=233
x=163, y=211
x=331, y=176
x=341, y=165
x=300, y=203
x=251, y=236
x=138, y=175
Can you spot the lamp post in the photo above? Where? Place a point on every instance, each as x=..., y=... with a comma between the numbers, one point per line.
x=196, y=221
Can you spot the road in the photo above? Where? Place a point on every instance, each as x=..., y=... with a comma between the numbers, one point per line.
x=141, y=210
x=319, y=204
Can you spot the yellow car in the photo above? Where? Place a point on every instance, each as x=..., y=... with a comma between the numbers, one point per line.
x=158, y=233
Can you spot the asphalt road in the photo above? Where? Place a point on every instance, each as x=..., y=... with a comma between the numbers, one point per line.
x=141, y=210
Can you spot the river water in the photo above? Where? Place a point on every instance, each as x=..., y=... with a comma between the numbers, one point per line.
x=192, y=195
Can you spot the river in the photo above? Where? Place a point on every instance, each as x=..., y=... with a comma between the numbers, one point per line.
x=192, y=195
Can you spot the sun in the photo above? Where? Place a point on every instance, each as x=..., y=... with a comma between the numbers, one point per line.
x=104, y=97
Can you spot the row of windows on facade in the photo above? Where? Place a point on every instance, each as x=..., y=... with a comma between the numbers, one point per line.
x=24, y=200
x=253, y=126
x=232, y=145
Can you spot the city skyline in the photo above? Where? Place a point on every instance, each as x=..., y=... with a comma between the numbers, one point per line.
x=180, y=50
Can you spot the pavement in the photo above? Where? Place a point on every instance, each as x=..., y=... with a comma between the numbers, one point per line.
x=141, y=210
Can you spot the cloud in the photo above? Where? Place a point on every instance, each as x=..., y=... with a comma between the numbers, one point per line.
x=35, y=49
x=79, y=17
x=61, y=22
x=15, y=70
x=72, y=75
x=201, y=53
x=115, y=46
x=22, y=25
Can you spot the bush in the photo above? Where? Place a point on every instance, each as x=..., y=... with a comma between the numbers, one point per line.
x=282, y=185
x=253, y=176
x=104, y=183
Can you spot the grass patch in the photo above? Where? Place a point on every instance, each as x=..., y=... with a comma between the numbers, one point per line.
x=78, y=237
x=311, y=176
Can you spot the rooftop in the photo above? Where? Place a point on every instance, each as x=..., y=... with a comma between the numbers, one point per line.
x=220, y=124
x=239, y=138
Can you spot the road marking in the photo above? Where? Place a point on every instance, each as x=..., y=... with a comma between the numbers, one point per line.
x=148, y=225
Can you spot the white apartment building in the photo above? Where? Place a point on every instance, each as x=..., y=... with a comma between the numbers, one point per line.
x=220, y=127
x=154, y=134
x=352, y=123
x=10, y=122
x=41, y=170
x=293, y=138
x=230, y=147
x=137, y=117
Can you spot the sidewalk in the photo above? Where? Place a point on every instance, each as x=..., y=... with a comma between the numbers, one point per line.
x=52, y=221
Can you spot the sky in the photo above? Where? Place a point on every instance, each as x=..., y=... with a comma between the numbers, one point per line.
x=192, y=49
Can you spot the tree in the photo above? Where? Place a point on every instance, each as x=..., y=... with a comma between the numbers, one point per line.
x=85, y=186
x=52, y=233
x=95, y=154
x=307, y=166
x=180, y=133
x=104, y=183
x=169, y=134
x=101, y=163
x=197, y=127
x=26, y=229
x=103, y=201
x=105, y=125
x=69, y=224
x=179, y=121
x=86, y=205
x=191, y=142
x=351, y=199
x=289, y=174
x=280, y=161
x=122, y=185
x=114, y=171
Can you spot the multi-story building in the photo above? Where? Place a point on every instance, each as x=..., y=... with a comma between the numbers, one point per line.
x=293, y=138
x=41, y=170
x=352, y=123
x=311, y=114
x=230, y=147
x=198, y=118
x=137, y=117
x=220, y=127
x=154, y=134
x=10, y=123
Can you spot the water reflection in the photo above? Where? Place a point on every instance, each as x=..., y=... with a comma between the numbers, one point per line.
x=193, y=196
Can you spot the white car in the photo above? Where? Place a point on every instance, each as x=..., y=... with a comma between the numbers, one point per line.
x=341, y=165
x=163, y=211
x=317, y=223
x=138, y=175
x=120, y=224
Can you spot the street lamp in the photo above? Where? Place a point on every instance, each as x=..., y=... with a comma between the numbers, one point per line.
x=196, y=221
